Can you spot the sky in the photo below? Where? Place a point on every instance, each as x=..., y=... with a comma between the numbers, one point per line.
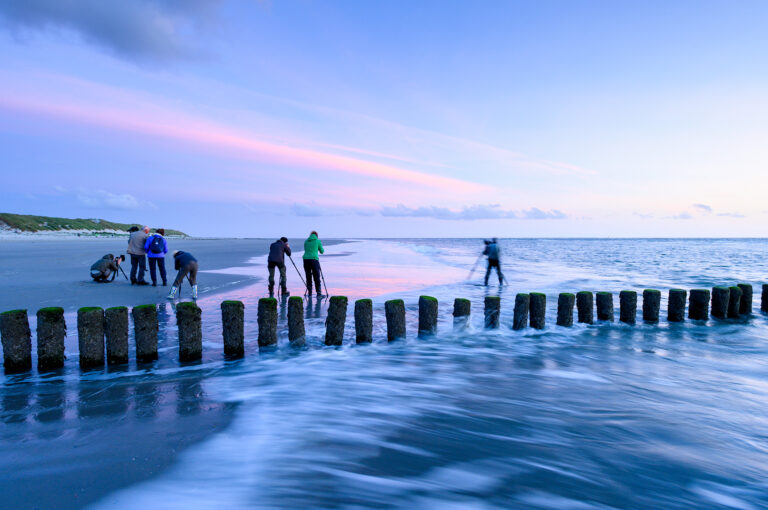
x=392, y=118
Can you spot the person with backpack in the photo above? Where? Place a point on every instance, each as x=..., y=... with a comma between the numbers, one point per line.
x=276, y=259
x=186, y=265
x=156, y=248
x=312, y=248
x=494, y=260
x=105, y=267
x=136, y=241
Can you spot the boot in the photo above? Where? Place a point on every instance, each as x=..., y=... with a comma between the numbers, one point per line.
x=284, y=291
x=194, y=292
x=172, y=294
x=271, y=289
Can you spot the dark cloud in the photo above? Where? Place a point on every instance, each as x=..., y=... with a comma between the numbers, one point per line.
x=681, y=216
x=146, y=30
x=703, y=207
x=731, y=215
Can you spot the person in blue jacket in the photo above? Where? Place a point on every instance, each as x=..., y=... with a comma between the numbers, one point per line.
x=494, y=260
x=156, y=248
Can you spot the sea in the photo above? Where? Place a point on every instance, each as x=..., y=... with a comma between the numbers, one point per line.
x=607, y=415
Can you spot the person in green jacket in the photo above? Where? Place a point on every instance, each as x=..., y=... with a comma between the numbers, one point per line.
x=313, y=246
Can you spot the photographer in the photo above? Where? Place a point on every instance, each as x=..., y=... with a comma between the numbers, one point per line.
x=105, y=267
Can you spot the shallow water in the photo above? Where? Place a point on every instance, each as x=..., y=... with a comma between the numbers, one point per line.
x=602, y=416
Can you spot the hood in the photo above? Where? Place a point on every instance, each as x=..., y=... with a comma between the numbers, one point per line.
x=109, y=256
x=312, y=237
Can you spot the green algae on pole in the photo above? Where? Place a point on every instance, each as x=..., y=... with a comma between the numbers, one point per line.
x=461, y=309
x=145, y=327
x=604, y=302
x=492, y=311
x=17, y=341
x=90, y=336
x=51, y=330
x=427, y=316
x=585, y=306
x=266, y=317
x=745, y=307
x=565, y=302
x=652, y=305
x=394, y=310
x=334, y=322
x=676, y=305
x=296, y=333
x=628, y=306
x=698, y=304
x=233, y=328
x=522, y=307
x=116, y=332
x=188, y=320
x=363, y=321
x=720, y=297
x=734, y=302
x=538, y=309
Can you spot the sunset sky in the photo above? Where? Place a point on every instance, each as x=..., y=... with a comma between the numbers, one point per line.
x=389, y=118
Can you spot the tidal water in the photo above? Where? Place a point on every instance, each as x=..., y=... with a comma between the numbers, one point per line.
x=601, y=416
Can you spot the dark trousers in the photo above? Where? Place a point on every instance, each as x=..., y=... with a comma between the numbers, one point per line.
x=312, y=271
x=159, y=263
x=491, y=264
x=283, y=277
x=189, y=270
x=140, y=262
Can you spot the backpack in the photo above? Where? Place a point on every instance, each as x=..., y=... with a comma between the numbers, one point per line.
x=156, y=246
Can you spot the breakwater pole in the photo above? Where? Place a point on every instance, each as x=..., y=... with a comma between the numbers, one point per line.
x=334, y=322
x=427, y=316
x=764, y=299
x=17, y=341
x=652, y=305
x=233, y=327
x=604, y=302
x=394, y=310
x=492, y=311
x=188, y=320
x=538, y=309
x=51, y=330
x=720, y=297
x=266, y=316
x=461, y=310
x=745, y=308
x=565, y=302
x=296, y=334
x=116, y=332
x=628, y=306
x=145, y=328
x=676, y=305
x=734, y=302
x=522, y=307
x=363, y=321
x=90, y=337
x=698, y=304
x=585, y=306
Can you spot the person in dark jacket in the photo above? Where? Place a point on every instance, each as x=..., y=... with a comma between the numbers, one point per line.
x=276, y=259
x=186, y=265
x=105, y=267
x=494, y=260
x=156, y=248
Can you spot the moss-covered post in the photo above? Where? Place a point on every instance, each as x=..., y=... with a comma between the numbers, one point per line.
x=698, y=304
x=296, y=334
x=233, y=328
x=461, y=310
x=51, y=330
x=90, y=336
x=188, y=320
x=522, y=307
x=764, y=299
x=394, y=310
x=676, y=305
x=720, y=297
x=334, y=322
x=145, y=327
x=116, y=331
x=267, y=319
x=492, y=311
x=17, y=341
x=427, y=316
x=734, y=302
x=363, y=321
x=651, y=305
x=745, y=307
x=628, y=306
x=604, y=301
x=565, y=302
x=538, y=309
x=585, y=306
